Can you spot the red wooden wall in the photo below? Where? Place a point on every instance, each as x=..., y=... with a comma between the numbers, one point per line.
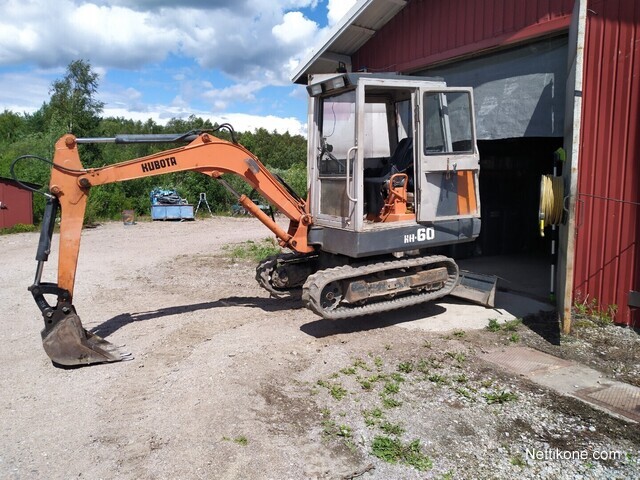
x=607, y=263
x=426, y=32
x=17, y=206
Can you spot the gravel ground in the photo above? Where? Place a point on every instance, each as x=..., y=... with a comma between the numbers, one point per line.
x=228, y=383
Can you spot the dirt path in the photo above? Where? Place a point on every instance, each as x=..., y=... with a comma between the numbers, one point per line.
x=228, y=383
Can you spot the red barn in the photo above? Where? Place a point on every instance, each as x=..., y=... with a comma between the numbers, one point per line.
x=546, y=74
x=16, y=204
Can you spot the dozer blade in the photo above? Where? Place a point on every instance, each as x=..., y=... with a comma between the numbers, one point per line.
x=476, y=288
x=69, y=344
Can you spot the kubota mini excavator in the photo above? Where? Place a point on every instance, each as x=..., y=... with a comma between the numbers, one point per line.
x=393, y=173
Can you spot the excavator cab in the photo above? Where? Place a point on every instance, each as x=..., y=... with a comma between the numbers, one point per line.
x=393, y=164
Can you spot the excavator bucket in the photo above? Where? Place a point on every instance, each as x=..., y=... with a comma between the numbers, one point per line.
x=476, y=288
x=69, y=344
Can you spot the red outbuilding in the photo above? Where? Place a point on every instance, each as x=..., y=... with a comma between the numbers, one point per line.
x=16, y=204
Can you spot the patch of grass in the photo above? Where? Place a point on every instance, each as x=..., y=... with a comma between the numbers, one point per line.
x=457, y=356
x=462, y=378
x=390, y=402
x=365, y=384
x=348, y=371
x=379, y=377
x=19, y=228
x=254, y=251
x=595, y=313
x=458, y=333
x=396, y=377
x=332, y=429
x=423, y=367
x=371, y=417
x=391, y=388
x=359, y=363
x=464, y=392
x=336, y=390
x=427, y=344
x=391, y=428
x=438, y=379
x=240, y=440
x=512, y=325
x=493, y=326
x=405, y=367
x=518, y=460
x=393, y=450
x=500, y=397
x=378, y=363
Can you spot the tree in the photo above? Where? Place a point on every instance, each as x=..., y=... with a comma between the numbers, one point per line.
x=11, y=126
x=73, y=107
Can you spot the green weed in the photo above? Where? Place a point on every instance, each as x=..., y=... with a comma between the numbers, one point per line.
x=405, y=367
x=336, y=390
x=391, y=388
x=390, y=402
x=391, y=428
x=392, y=450
x=493, y=326
x=19, y=228
x=500, y=397
x=250, y=250
x=438, y=379
x=518, y=461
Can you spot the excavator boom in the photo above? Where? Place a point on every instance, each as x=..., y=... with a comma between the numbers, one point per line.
x=64, y=339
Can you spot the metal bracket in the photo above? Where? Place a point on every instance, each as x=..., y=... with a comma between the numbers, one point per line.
x=634, y=299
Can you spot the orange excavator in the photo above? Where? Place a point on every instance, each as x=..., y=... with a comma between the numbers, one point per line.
x=393, y=178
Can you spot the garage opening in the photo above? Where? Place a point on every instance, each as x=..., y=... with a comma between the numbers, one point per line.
x=519, y=102
x=510, y=245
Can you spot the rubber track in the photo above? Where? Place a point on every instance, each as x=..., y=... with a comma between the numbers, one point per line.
x=312, y=289
x=266, y=267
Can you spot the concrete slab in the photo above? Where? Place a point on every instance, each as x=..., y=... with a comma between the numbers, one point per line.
x=453, y=314
x=570, y=378
x=526, y=274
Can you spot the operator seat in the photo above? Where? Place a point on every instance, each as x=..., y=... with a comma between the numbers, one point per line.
x=375, y=180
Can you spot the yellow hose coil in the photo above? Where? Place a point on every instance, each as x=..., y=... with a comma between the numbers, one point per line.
x=551, y=198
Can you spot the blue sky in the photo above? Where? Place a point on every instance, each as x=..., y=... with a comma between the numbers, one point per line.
x=224, y=60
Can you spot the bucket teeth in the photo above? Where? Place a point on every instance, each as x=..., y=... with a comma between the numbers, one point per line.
x=69, y=344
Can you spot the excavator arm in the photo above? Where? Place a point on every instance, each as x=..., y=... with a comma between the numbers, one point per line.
x=64, y=339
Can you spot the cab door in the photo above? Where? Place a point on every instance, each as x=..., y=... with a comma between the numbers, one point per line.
x=448, y=159
x=336, y=154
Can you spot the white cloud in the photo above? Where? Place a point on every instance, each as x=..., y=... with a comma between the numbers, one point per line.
x=250, y=37
x=241, y=122
x=254, y=43
x=336, y=9
x=295, y=28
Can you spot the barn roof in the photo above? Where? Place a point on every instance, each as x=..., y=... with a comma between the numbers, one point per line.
x=20, y=184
